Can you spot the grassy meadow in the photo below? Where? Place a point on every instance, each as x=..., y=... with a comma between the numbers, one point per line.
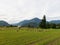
x=29, y=36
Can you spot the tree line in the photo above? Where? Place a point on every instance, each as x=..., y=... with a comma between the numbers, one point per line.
x=44, y=24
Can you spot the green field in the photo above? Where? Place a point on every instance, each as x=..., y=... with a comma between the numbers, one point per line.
x=29, y=36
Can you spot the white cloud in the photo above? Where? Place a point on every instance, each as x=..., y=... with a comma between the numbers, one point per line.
x=17, y=10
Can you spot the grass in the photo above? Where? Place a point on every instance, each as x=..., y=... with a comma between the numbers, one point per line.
x=29, y=36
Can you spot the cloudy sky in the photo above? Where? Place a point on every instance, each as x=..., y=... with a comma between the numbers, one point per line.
x=14, y=11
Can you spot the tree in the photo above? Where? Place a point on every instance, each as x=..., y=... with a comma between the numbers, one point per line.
x=43, y=22
x=53, y=25
x=48, y=25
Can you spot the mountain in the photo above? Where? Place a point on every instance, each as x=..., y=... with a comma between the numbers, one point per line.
x=3, y=23
x=23, y=23
x=55, y=21
x=33, y=22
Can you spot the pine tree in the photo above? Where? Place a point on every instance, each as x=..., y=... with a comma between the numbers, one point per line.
x=43, y=22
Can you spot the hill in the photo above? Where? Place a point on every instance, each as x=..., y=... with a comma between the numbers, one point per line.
x=55, y=21
x=33, y=22
x=3, y=23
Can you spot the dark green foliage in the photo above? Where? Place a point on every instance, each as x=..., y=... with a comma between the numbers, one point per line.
x=58, y=26
x=52, y=25
x=43, y=22
x=48, y=25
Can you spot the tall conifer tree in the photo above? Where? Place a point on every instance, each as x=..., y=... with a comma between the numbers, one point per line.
x=43, y=22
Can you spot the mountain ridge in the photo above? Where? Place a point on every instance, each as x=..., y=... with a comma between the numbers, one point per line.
x=32, y=22
x=4, y=23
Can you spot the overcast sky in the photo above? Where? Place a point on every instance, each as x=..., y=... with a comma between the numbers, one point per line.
x=17, y=10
